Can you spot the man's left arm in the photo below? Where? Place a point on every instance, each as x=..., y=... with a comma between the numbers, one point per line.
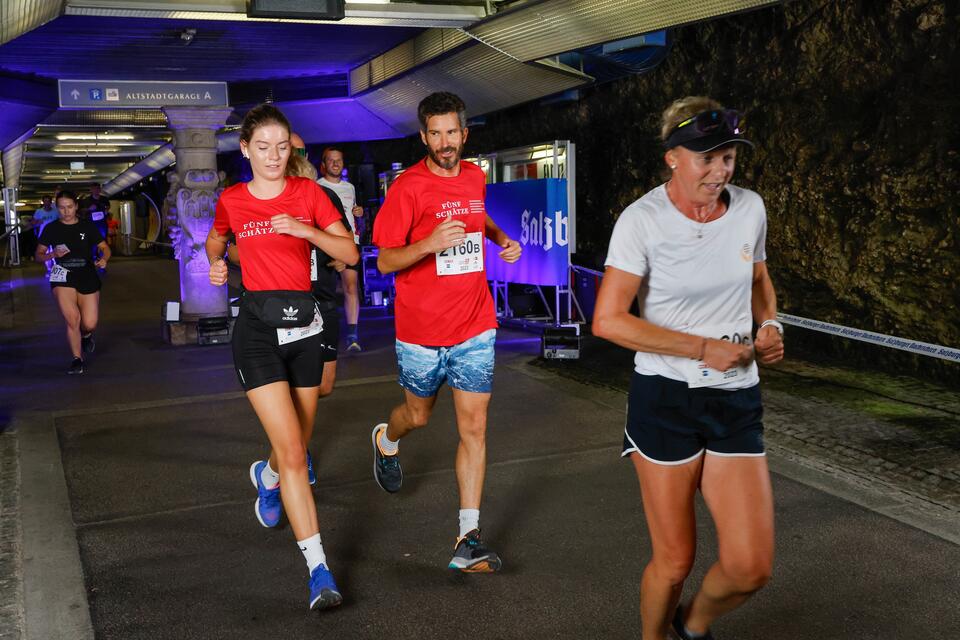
x=511, y=248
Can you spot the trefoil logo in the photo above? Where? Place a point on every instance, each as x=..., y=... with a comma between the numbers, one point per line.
x=291, y=313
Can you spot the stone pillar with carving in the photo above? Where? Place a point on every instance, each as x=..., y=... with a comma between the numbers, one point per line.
x=195, y=146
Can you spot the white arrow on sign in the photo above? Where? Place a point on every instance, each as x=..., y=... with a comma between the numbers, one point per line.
x=75, y=94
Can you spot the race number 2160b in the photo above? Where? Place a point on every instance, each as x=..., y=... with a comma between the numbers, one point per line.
x=469, y=247
x=466, y=257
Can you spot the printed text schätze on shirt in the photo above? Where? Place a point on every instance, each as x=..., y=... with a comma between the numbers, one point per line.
x=452, y=208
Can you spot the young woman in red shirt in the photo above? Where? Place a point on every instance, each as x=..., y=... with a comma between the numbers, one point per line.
x=277, y=339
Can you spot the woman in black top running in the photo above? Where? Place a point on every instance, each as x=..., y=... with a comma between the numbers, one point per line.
x=72, y=244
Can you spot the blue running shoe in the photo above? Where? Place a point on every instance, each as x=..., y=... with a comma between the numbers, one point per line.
x=268, y=506
x=323, y=590
x=311, y=476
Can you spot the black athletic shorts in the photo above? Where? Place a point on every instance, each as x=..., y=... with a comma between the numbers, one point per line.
x=330, y=333
x=670, y=423
x=259, y=358
x=85, y=281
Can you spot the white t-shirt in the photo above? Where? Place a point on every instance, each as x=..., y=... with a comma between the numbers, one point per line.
x=701, y=286
x=45, y=217
x=348, y=197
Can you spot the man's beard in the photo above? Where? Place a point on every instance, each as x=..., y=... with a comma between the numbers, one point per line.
x=442, y=163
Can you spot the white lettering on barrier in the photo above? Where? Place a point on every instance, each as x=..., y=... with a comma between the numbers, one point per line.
x=542, y=231
x=922, y=348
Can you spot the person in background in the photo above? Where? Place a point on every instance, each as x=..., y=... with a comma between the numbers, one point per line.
x=71, y=243
x=43, y=216
x=96, y=208
x=331, y=168
x=695, y=247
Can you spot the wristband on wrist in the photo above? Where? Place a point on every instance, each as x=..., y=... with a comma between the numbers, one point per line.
x=703, y=348
x=774, y=323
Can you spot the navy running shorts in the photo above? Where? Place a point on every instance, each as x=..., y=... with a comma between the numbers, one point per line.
x=670, y=423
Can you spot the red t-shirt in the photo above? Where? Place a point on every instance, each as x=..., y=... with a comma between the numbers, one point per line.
x=274, y=260
x=434, y=310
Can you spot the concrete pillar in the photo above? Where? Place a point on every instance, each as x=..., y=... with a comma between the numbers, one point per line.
x=195, y=146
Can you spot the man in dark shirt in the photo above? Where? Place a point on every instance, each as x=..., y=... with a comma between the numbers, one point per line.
x=96, y=208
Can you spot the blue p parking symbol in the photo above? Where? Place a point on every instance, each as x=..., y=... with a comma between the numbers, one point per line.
x=96, y=94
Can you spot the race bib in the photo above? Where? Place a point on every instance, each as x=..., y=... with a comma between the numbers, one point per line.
x=463, y=258
x=698, y=374
x=286, y=336
x=96, y=216
x=58, y=274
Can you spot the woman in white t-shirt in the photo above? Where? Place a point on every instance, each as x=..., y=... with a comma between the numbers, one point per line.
x=694, y=248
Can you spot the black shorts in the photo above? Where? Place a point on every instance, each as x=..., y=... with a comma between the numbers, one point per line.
x=330, y=333
x=670, y=423
x=259, y=359
x=85, y=281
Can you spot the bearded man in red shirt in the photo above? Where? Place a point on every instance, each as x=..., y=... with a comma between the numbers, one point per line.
x=431, y=232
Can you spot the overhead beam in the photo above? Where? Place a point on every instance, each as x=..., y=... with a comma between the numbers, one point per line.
x=403, y=14
x=18, y=18
x=544, y=28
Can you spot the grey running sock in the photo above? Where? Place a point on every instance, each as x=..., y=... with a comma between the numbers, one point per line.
x=469, y=520
x=387, y=446
x=352, y=333
x=269, y=477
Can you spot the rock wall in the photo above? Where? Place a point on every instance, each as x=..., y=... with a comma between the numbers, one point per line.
x=854, y=109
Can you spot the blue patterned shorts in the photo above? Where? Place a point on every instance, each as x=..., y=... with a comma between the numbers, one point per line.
x=467, y=366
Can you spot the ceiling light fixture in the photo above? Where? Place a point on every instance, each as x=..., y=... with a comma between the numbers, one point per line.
x=95, y=136
x=70, y=148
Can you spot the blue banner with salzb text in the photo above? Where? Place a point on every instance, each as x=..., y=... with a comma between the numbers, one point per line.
x=534, y=213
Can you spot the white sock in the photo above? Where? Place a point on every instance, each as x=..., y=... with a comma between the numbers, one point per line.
x=269, y=477
x=469, y=520
x=312, y=550
x=387, y=446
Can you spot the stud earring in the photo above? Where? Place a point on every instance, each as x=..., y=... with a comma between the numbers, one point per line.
x=673, y=166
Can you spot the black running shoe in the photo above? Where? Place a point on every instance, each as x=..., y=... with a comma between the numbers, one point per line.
x=472, y=556
x=88, y=343
x=76, y=366
x=678, y=627
x=386, y=469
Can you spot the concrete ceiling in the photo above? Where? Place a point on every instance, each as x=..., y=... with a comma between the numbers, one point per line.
x=356, y=79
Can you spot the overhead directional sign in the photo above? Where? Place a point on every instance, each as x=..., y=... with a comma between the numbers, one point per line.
x=134, y=94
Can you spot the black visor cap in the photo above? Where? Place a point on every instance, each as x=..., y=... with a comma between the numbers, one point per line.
x=693, y=140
